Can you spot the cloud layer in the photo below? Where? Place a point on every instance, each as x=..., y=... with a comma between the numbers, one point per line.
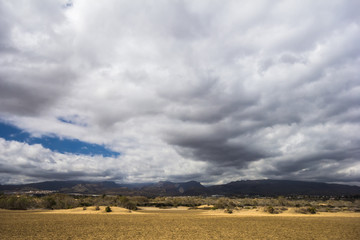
x=185, y=90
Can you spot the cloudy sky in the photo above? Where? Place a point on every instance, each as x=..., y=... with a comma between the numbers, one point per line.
x=213, y=91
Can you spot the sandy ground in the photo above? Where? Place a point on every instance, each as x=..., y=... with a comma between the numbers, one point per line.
x=147, y=209
x=90, y=210
x=290, y=213
x=219, y=212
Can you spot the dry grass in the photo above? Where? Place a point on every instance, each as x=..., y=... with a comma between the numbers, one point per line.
x=152, y=223
x=91, y=210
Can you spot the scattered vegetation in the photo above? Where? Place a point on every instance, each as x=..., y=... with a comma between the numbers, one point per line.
x=108, y=209
x=274, y=210
x=270, y=205
x=311, y=210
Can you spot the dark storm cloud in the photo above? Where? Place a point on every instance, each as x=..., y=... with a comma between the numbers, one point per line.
x=324, y=170
x=313, y=162
x=32, y=80
x=34, y=94
x=35, y=172
x=223, y=154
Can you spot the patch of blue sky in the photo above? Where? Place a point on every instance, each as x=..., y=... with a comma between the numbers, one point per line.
x=54, y=143
x=64, y=120
x=72, y=120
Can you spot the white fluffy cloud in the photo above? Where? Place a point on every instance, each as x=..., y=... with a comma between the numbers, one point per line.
x=184, y=90
x=21, y=162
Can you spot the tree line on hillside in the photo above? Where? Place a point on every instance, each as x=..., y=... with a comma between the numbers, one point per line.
x=272, y=205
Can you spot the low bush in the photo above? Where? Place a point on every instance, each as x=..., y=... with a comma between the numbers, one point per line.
x=269, y=209
x=130, y=205
x=228, y=210
x=108, y=209
x=17, y=202
x=307, y=210
x=273, y=210
x=311, y=210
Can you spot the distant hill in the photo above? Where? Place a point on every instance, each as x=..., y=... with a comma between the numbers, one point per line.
x=192, y=188
x=283, y=187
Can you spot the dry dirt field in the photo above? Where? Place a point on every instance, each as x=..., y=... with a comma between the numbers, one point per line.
x=153, y=223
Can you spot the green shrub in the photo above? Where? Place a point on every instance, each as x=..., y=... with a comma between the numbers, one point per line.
x=18, y=202
x=228, y=210
x=269, y=209
x=224, y=203
x=311, y=210
x=49, y=202
x=108, y=209
x=130, y=205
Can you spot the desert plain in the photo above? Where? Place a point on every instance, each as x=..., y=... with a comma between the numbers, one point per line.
x=176, y=223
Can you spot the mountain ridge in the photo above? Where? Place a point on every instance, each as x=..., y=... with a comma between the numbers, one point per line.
x=267, y=187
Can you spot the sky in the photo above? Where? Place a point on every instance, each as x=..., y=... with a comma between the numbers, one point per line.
x=211, y=91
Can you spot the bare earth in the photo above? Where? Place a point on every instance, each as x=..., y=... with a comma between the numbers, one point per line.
x=175, y=223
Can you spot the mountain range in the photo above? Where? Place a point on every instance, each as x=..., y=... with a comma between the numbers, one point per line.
x=191, y=188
